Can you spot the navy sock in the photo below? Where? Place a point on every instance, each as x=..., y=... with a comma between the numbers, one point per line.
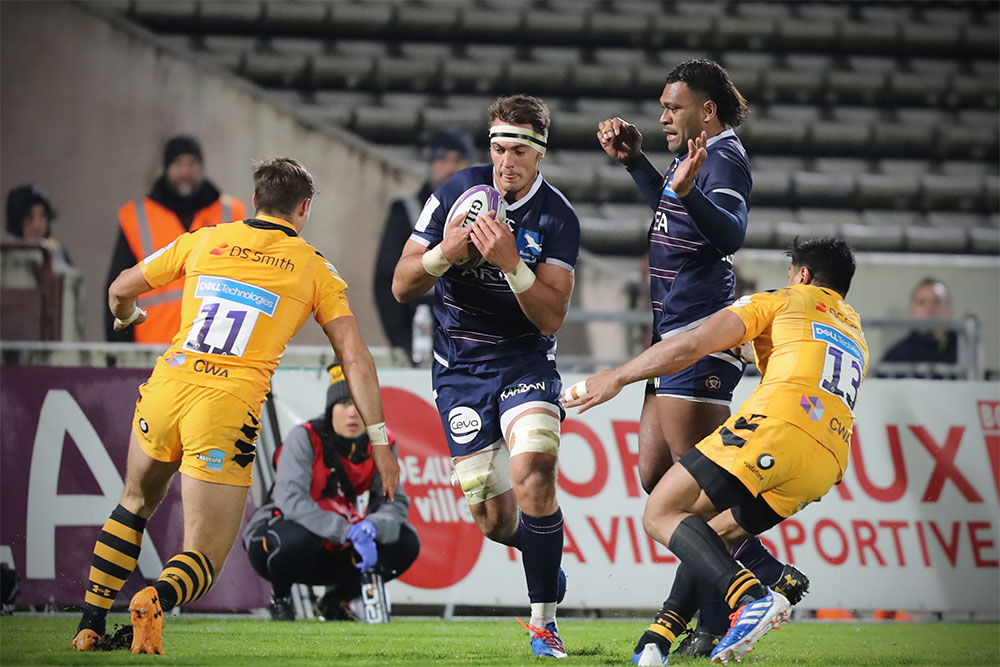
x=515, y=539
x=541, y=554
x=756, y=558
x=714, y=615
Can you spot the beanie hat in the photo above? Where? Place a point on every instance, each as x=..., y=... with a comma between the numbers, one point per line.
x=180, y=145
x=19, y=203
x=337, y=391
x=451, y=139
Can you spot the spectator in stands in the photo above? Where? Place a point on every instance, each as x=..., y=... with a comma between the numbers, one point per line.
x=30, y=215
x=930, y=298
x=449, y=151
x=181, y=200
x=328, y=516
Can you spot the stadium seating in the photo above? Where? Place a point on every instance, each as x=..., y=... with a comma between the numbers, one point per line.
x=878, y=120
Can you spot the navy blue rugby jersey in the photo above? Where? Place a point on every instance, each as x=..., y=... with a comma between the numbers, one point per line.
x=478, y=315
x=689, y=279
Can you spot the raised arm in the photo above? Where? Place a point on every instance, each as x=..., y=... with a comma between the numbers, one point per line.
x=622, y=141
x=362, y=380
x=721, y=215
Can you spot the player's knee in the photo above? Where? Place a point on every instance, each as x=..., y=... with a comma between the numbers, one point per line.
x=484, y=475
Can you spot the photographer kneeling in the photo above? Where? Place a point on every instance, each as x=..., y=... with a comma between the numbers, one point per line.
x=328, y=519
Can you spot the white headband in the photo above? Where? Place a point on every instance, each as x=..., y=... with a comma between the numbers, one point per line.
x=519, y=135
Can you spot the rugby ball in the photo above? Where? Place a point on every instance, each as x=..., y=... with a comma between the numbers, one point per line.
x=470, y=204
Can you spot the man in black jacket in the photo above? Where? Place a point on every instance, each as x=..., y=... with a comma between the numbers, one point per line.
x=450, y=151
x=329, y=520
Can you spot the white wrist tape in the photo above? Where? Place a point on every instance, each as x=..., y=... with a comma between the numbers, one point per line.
x=377, y=435
x=521, y=278
x=136, y=312
x=578, y=390
x=434, y=261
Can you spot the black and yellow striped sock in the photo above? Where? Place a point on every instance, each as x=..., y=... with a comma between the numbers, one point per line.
x=185, y=578
x=115, y=556
x=743, y=583
x=668, y=624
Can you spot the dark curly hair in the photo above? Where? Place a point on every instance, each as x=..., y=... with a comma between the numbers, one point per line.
x=830, y=260
x=710, y=79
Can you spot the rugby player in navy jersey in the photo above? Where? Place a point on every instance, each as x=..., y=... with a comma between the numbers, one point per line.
x=700, y=217
x=501, y=291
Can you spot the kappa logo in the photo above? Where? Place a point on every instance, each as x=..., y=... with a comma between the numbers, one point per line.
x=465, y=424
x=765, y=461
x=218, y=250
x=813, y=407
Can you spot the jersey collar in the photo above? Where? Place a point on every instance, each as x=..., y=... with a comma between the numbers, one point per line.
x=526, y=198
x=729, y=132
x=262, y=221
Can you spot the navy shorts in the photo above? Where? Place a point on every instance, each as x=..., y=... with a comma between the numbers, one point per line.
x=476, y=401
x=711, y=379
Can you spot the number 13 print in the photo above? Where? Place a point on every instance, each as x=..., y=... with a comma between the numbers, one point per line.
x=841, y=374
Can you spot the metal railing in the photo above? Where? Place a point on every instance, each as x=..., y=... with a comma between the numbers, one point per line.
x=968, y=330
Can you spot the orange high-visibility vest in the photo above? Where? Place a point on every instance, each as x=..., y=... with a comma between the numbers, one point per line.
x=149, y=226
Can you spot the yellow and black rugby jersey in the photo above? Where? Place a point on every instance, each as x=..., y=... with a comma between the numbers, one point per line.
x=813, y=356
x=248, y=288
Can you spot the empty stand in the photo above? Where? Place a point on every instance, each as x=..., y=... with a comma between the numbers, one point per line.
x=878, y=121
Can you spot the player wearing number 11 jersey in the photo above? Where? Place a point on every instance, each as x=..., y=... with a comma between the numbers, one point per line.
x=783, y=449
x=248, y=288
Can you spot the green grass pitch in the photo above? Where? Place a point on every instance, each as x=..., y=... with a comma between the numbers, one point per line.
x=40, y=640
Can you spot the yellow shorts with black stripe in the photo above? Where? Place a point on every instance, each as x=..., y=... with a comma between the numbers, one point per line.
x=774, y=460
x=211, y=432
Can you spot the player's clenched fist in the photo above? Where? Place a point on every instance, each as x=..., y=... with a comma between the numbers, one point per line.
x=620, y=139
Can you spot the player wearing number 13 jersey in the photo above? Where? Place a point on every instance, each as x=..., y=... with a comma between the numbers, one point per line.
x=248, y=288
x=783, y=449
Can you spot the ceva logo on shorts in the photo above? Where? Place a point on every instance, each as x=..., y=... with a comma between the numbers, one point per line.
x=465, y=424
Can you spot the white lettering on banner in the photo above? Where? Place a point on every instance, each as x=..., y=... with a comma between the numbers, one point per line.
x=47, y=510
x=920, y=501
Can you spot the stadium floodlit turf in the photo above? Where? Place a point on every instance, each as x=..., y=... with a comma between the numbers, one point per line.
x=39, y=640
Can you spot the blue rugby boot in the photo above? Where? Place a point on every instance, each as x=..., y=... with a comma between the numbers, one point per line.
x=750, y=623
x=545, y=642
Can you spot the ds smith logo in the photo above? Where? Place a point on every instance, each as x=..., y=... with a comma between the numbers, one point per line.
x=255, y=256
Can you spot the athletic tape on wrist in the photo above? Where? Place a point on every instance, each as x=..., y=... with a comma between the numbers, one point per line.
x=377, y=435
x=521, y=278
x=136, y=312
x=434, y=261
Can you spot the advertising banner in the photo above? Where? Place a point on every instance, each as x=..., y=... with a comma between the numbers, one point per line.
x=920, y=502
x=914, y=525
x=63, y=447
